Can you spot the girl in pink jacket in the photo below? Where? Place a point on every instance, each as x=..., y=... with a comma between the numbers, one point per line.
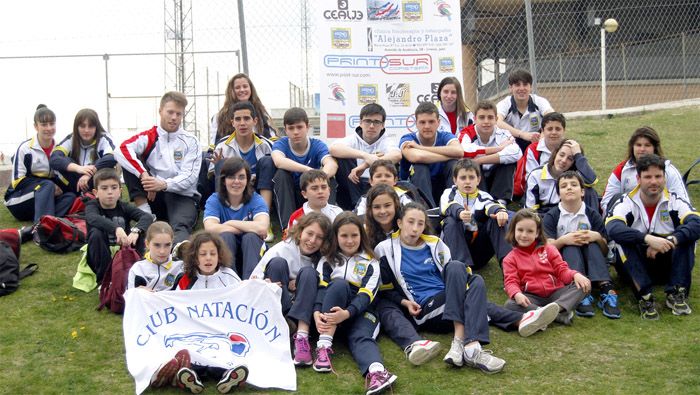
x=534, y=273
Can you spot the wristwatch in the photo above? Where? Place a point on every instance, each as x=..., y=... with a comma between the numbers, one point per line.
x=135, y=230
x=672, y=239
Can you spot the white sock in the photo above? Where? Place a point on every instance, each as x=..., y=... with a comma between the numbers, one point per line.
x=146, y=208
x=302, y=333
x=325, y=341
x=472, y=349
x=376, y=367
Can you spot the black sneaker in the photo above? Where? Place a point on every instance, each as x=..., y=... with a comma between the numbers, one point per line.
x=647, y=308
x=608, y=303
x=585, y=308
x=678, y=302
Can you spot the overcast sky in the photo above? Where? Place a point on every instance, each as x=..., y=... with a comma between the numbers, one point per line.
x=42, y=28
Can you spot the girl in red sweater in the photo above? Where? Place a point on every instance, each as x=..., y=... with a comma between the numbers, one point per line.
x=534, y=273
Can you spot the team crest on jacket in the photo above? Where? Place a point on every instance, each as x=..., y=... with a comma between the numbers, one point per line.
x=664, y=216
x=360, y=268
x=169, y=280
x=177, y=155
x=210, y=343
x=583, y=226
x=542, y=254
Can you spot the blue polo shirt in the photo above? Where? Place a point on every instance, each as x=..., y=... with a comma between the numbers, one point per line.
x=441, y=140
x=316, y=151
x=245, y=212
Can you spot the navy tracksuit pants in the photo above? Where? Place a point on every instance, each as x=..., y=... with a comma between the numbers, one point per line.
x=300, y=305
x=498, y=181
x=588, y=260
x=35, y=197
x=402, y=330
x=99, y=255
x=349, y=193
x=245, y=246
x=360, y=330
x=673, y=268
x=475, y=248
x=432, y=186
x=178, y=210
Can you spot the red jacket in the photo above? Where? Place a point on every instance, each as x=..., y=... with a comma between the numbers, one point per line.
x=536, y=270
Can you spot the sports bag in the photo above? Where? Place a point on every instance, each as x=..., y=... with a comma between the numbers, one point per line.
x=57, y=234
x=115, y=278
x=9, y=270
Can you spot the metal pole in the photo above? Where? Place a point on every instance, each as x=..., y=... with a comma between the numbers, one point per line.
x=624, y=74
x=241, y=27
x=603, y=92
x=105, y=57
x=531, y=44
x=207, y=124
x=685, y=75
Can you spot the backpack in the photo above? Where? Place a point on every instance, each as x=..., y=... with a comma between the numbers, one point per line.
x=520, y=177
x=115, y=278
x=9, y=270
x=56, y=234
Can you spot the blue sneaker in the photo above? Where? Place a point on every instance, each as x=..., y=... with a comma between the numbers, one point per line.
x=608, y=304
x=585, y=308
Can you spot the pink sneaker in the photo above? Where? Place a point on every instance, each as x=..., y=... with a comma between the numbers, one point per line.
x=302, y=351
x=322, y=364
x=379, y=381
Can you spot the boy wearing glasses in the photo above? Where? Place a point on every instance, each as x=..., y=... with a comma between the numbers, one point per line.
x=356, y=153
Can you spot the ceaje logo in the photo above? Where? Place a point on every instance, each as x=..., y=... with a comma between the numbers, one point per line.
x=343, y=13
x=388, y=64
x=432, y=97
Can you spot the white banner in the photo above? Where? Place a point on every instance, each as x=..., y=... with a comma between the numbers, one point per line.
x=222, y=327
x=392, y=52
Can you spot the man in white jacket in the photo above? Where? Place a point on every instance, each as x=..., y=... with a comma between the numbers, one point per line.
x=161, y=168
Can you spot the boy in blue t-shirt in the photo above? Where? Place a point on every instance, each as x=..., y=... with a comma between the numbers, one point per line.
x=293, y=155
x=428, y=155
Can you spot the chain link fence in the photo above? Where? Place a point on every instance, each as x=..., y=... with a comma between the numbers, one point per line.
x=653, y=57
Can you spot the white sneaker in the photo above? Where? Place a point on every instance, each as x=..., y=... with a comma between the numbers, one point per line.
x=485, y=361
x=535, y=320
x=422, y=351
x=270, y=236
x=456, y=353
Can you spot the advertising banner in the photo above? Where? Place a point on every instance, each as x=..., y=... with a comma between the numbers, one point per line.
x=391, y=52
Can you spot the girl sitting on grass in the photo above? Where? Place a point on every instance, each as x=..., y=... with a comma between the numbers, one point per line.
x=349, y=283
x=158, y=271
x=292, y=264
x=535, y=276
x=206, y=267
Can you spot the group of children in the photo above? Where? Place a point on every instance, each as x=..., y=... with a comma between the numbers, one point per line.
x=343, y=273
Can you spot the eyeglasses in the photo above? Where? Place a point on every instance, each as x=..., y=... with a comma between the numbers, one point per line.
x=241, y=178
x=374, y=122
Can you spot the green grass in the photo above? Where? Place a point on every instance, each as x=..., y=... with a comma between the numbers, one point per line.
x=596, y=355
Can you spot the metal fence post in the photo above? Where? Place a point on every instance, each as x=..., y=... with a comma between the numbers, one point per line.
x=105, y=57
x=531, y=44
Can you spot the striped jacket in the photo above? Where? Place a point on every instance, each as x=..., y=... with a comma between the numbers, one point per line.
x=174, y=157
x=361, y=271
